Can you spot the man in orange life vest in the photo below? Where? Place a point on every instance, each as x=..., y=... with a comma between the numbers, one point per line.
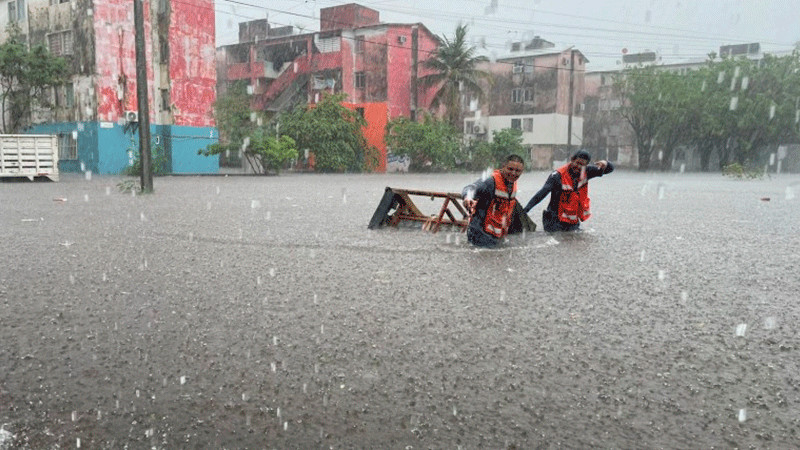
x=568, y=187
x=491, y=202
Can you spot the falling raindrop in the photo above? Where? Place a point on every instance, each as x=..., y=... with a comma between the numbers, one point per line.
x=734, y=103
x=684, y=296
x=99, y=415
x=770, y=323
x=183, y=380
x=641, y=256
x=771, y=112
x=683, y=167
x=285, y=426
x=721, y=77
x=736, y=72
x=661, y=191
x=455, y=411
x=322, y=329
x=74, y=416
x=789, y=193
x=71, y=279
x=208, y=206
x=108, y=190
x=272, y=272
x=137, y=393
x=273, y=366
x=274, y=340
x=742, y=415
x=662, y=275
x=344, y=195
x=86, y=197
x=142, y=217
x=741, y=329
x=703, y=87
x=305, y=388
x=258, y=280
x=255, y=204
x=78, y=442
x=217, y=190
x=745, y=83
x=315, y=299
x=88, y=175
x=245, y=397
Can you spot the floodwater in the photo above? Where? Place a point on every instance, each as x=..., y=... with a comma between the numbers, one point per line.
x=260, y=312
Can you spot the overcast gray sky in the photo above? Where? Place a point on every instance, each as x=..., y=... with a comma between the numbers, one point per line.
x=677, y=29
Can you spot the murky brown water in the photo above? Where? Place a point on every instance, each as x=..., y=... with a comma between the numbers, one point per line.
x=247, y=312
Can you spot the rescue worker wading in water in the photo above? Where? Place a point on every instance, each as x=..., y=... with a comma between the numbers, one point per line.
x=568, y=187
x=491, y=202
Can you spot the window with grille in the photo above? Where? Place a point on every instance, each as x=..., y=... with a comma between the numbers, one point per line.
x=516, y=124
x=359, y=44
x=60, y=43
x=360, y=80
x=67, y=146
x=16, y=10
x=527, y=124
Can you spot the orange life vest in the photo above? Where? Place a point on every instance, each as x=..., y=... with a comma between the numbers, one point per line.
x=573, y=206
x=501, y=208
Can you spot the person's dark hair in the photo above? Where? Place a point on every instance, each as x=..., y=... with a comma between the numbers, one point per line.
x=582, y=154
x=515, y=158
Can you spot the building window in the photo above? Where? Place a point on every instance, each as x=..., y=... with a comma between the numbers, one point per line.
x=359, y=44
x=527, y=124
x=468, y=126
x=519, y=67
x=69, y=95
x=361, y=80
x=16, y=10
x=165, y=99
x=67, y=146
x=519, y=95
x=56, y=2
x=516, y=124
x=60, y=43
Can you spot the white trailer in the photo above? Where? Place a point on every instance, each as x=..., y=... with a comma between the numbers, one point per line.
x=29, y=155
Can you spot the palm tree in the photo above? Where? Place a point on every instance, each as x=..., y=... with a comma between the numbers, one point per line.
x=455, y=72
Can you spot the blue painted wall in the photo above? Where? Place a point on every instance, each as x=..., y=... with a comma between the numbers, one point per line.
x=108, y=148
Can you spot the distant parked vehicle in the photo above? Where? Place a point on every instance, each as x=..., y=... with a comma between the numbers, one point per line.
x=29, y=155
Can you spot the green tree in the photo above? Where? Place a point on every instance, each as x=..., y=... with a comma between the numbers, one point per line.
x=26, y=75
x=433, y=144
x=234, y=120
x=492, y=154
x=455, y=71
x=640, y=108
x=332, y=132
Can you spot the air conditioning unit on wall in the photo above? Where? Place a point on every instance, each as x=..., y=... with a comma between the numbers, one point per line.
x=478, y=129
x=131, y=116
x=401, y=40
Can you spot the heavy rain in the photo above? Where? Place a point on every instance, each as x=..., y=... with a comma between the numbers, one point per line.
x=235, y=310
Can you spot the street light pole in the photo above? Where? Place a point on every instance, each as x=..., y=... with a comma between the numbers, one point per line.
x=141, y=95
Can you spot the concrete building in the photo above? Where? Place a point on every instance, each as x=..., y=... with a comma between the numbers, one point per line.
x=376, y=64
x=531, y=91
x=96, y=113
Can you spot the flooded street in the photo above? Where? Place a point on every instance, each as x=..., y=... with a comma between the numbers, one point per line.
x=260, y=312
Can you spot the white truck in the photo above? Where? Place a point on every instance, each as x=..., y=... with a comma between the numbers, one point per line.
x=29, y=155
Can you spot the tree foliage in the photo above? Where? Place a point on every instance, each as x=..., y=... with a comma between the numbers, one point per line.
x=26, y=76
x=264, y=150
x=492, y=154
x=433, y=144
x=455, y=72
x=738, y=108
x=332, y=132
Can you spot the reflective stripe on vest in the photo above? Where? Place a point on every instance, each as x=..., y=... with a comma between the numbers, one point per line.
x=500, y=208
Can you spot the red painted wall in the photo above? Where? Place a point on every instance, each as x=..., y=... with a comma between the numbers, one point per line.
x=376, y=115
x=192, y=67
x=116, y=58
x=192, y=61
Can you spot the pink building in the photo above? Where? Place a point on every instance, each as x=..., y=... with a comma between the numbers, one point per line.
x=354, y=53
x=95, y=113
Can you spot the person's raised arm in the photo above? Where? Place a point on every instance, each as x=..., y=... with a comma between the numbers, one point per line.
x=546, y=189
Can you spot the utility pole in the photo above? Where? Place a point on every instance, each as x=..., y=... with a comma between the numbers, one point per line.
x=571, y=100
x=141, y=95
